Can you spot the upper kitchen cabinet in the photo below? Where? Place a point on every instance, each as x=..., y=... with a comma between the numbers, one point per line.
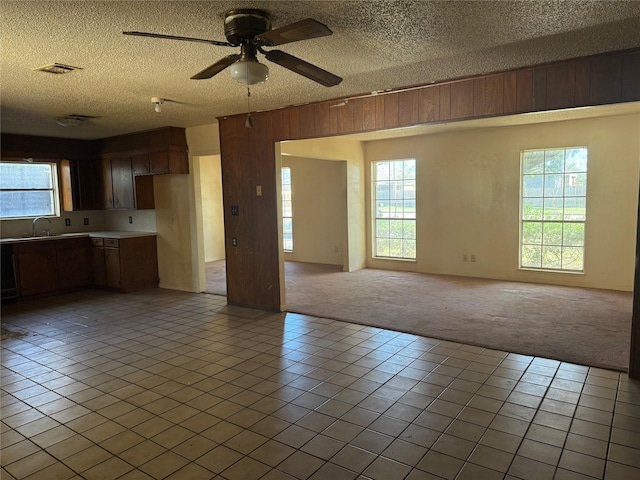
x=121, y=188
x=155, y=152
x=122, y=183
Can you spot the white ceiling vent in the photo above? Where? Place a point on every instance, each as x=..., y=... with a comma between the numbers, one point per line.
x=57, y=68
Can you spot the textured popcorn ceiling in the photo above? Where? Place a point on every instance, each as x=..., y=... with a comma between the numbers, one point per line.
x=376, y=45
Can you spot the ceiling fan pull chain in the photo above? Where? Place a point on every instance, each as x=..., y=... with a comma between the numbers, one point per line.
x=249, y=121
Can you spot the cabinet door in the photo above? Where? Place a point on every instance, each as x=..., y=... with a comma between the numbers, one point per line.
x=168, y=161
x=36, y=271
x=139, y=260
x=122, y=181
x=143, y=185
x=140, y=164
x=98, y=266
x=88, y=184
x=107, y=184
x=159, y=162
x=74, y=266
x=112, y=267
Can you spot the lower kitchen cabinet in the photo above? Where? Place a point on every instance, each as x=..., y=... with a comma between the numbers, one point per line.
x=47, y=266
x=125, y=264
x=74, y=266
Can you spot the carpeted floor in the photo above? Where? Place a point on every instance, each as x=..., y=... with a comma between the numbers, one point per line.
x=578, y=325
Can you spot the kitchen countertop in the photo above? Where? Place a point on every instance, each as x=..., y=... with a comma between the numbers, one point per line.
x=104, y=234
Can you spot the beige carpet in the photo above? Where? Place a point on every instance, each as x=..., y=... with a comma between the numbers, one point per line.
x=578, y=325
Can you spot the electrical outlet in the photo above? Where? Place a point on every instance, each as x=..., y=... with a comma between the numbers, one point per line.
x=67, y=222
x=86, y=221
x=473, y=258
x=235, y=210
x=234, y=241
x=259, y=190
x=465, y=258
x=130, y=219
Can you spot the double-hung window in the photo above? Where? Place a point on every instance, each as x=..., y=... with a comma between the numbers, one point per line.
x=394, y=205
x=553, y=209
x=28, y=190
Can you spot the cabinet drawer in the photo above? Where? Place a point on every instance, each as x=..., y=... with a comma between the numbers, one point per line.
x=112, y=242
x=97, y=242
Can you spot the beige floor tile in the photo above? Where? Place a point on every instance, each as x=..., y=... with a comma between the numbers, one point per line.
x=109, y=469
x=441, y=465
x=164, y=464
x=30, y=464
x=219, y=459
x=192, y=388
x=581, y=463
x=191, y=471
x=492, y=458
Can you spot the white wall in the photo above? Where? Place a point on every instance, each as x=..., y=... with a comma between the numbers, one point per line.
x=174, y=210
x=212, y=209
x=468, y=199
x=319, y=202
x=335, y=148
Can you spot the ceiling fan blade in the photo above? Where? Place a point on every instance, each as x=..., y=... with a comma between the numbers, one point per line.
x=172, y=37
x=302, y=30
x=217, y=67
x=303, y=68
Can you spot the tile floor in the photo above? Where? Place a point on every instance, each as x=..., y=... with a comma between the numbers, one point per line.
x=165, y=384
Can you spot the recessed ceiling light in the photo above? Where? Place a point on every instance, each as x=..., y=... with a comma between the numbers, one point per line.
x=57, y=68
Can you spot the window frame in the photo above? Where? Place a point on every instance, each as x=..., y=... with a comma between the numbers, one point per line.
x=55, y=189
x=521, y=220
x=375, y=218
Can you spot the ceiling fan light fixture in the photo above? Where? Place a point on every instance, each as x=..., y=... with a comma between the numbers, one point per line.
x=70, y=121
x=249, y=72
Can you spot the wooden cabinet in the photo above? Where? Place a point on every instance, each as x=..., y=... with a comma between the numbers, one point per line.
x=36, y=268
x=121, y=189
x=106, y=183
x=140, y=164
x=86, y=184
x=47, y=266
x=81, y=184
x=125, y=264
x=122, y=183
x=160, y=162
x=168, y=161
x=74, y=266
x=98, y=268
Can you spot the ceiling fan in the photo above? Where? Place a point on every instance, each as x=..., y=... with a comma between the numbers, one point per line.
x=250, y=29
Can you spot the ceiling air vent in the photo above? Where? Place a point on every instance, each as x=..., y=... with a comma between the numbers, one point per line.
x=57, y=68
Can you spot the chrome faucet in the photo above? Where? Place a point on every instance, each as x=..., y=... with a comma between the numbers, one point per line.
x=33, y=227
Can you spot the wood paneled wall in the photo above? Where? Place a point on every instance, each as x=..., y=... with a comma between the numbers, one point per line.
x=248, y=155
x=25, y=146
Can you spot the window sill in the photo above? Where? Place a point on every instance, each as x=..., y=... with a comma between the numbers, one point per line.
x=549, y=270
x=394, y=259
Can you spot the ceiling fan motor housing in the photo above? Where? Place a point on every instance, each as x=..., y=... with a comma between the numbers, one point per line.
x=243, y=24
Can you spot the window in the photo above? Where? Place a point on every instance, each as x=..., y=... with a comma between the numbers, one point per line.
x=394, y=185
x=28, y=190
x=553, y=209
x=287, y=211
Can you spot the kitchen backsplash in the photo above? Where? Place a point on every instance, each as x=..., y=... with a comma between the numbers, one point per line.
x=84, y=221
